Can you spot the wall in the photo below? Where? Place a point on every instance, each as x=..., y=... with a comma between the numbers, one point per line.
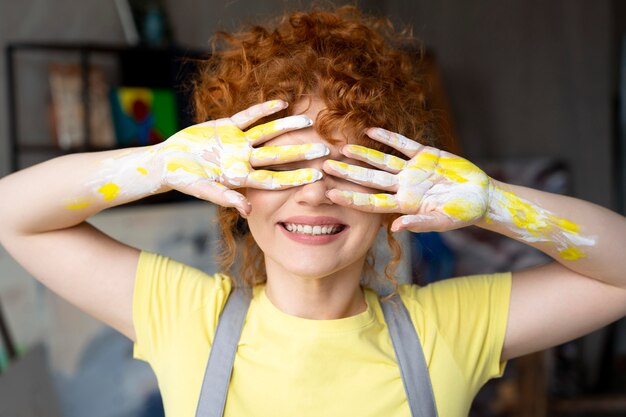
x=526, y=78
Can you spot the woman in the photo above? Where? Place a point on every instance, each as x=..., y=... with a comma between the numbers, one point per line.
x=315, y=170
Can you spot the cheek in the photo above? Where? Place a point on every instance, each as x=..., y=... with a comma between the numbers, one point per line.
x=371, y=224
x=264, y=205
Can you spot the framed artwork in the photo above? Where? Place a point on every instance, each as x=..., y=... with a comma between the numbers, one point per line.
x=143, y=116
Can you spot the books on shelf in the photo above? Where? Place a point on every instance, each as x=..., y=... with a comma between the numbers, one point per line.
x=68, y=109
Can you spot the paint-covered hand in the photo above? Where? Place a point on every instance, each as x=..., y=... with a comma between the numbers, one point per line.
x=210, y=159
x=433, y=190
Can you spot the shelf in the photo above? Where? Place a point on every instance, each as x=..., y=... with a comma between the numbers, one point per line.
x=140, y=66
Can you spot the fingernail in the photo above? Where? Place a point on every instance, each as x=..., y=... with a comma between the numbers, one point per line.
x=277, y=104
x=293, y=122
x=317, y=150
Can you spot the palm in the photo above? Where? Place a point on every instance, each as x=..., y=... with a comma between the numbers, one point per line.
x=434, y=189
x=209, y=159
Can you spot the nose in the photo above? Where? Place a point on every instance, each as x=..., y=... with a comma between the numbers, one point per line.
x=314, y=194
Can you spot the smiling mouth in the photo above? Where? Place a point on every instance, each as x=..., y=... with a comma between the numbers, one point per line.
x=313, y=230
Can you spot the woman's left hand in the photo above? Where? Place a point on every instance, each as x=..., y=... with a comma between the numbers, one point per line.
x=434, y=190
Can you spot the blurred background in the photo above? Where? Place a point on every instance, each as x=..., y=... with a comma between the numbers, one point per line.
x=528, y=89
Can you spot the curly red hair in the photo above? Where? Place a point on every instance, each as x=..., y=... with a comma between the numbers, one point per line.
x=352, y=62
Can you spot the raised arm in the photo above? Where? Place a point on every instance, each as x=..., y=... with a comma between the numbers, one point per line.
x=42, y=217
x=583, y=290
x=432, y=190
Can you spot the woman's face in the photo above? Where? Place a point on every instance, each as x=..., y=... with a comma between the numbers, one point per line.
x=300, y=231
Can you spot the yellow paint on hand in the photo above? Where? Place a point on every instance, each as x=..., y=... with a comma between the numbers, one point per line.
x=462, y=209
x=383, y=201
x=459, y=170
x=340, y=167
x=174, y=164
x=374, y=200
x=110, y=191
x=231, y=135
x=142, y=170
x=273, y=104
x=263, y=130
x=377, y=157
x=572, y=253
x=285, y=178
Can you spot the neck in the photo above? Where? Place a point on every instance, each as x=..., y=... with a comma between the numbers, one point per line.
x=335, y=296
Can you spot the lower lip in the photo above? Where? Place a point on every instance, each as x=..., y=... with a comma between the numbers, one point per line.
x=310, y=239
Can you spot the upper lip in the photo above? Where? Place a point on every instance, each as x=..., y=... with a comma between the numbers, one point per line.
x=313, y=220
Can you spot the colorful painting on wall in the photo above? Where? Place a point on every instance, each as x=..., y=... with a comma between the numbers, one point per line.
x=143, y=116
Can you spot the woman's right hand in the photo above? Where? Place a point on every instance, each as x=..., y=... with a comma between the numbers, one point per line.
x=210, y=159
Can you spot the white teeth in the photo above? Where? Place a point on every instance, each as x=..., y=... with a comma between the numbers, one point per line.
x=312, y=230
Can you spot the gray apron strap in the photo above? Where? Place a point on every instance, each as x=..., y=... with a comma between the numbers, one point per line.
x=410, y=357
x=220, y=364
x=404, y=338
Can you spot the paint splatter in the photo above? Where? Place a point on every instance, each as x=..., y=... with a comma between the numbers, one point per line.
x=109, y=191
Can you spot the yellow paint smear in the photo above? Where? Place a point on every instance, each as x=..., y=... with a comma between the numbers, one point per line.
x=376, y=200
x=456, y=169
x=524, y=215
x=78, y=205
x=263, y=130
x=191, y=167
x=109, y=191
x=383, y=201
x=566, y=225
x=273, y=104
x=296, y=177
x=426, y=160
x=572, y=254
x=462, y=210
x=377, y=157
x=340, y=167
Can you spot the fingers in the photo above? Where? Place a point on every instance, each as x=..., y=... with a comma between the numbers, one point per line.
x=250, y=115
x=272, y=180
x=364, y=176
x=375, y=158
x=372, y=203
x=274, y=155
x=270, y=130
x=403, y=144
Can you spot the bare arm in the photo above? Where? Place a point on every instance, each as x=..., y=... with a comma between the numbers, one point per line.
x=43, y=228
x=42, y=217
x=583, y=290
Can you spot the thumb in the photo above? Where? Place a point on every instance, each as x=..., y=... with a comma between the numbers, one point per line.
x=420, y=223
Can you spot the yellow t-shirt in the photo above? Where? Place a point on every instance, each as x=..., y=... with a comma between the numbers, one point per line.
x=289, y=366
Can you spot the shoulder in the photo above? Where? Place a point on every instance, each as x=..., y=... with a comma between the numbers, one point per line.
x=466, y=316
x=172, y=298
x=456, y=288
x=456, y=301
x=162, y=278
